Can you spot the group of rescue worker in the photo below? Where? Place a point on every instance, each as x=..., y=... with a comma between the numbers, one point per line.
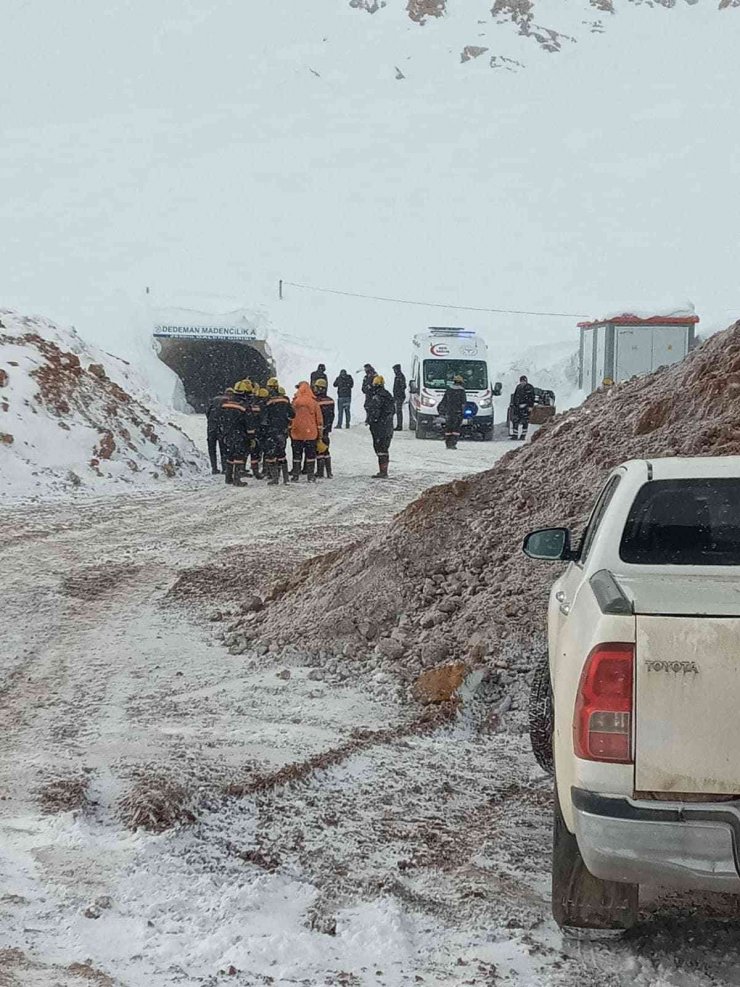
x=250, y=425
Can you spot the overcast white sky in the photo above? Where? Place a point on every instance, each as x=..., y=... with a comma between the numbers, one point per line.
x=188, y=145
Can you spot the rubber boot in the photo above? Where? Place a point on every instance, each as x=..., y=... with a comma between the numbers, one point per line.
x=286, y=474
x=229, y=473
x=256, y=473
x=296, y=473
x=327, y=467
x=320, y=468
x=382, y=473
x=311, y=472
x=272, y=474
x=240, y=475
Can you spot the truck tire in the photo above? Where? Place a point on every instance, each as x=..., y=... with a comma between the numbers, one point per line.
x=421, y=432
x=584, y=906
x=541, y=716
x=487, y=433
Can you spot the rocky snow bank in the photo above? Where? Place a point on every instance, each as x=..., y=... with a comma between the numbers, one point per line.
x=448, y=581
x=66, y=422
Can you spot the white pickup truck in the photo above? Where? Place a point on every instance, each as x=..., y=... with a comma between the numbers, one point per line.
x=637, y=709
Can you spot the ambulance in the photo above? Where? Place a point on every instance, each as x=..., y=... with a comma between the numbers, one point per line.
x=439, y=355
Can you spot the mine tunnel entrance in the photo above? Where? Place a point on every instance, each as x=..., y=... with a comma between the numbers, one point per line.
x=207, y=367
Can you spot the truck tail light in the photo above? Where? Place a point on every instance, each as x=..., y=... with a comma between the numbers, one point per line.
x=602, y=725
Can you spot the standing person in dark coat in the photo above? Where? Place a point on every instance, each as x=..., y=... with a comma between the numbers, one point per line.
x=344, y=384
x=276, y=418
x=318, y=374
x=213, y=433
x=452, y=408
x=235, y=424
x=323, y=454
x=367, y=387
x=380, y=411
x=522, y=402
x=255, y=406
x=399, y=395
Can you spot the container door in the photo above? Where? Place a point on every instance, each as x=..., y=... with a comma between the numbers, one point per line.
x=687, y=696
x=634, y=352
x=587, y=358
x=600, y=372
x=669, y=345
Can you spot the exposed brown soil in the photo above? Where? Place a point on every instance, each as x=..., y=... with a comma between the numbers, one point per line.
x=447, y=579
x=63, y=795
x=155, y=803
x=89, y=584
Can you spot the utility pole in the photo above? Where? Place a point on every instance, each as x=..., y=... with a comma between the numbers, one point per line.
x=280, y=289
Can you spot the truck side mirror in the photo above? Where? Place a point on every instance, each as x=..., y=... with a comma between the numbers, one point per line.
x=497, y=388
x=549, y=545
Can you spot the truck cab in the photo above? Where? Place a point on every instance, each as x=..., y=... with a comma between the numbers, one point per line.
x=438, y=356
x=636, y=708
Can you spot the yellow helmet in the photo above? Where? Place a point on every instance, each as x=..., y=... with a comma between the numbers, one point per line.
x=281, y=391
x=273, y=382
x=243, y=386
x=263, y=393
x=320, y=384
x=378, y=381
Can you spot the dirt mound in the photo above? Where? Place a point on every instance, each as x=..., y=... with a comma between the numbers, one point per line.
x=448, y=581
x=66, y=423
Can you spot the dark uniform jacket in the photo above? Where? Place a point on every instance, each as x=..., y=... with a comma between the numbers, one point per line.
x=213, y=413
x=399, y=387
x=235, y=418
x=524, y=394
x=327, y=411
x=277, y=415
x=452, y=404
x=367, y=386
x=344, y=384
x=381, y=410
x=317, y=375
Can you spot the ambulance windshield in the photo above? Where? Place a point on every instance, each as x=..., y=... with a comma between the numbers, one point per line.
x=438, y=374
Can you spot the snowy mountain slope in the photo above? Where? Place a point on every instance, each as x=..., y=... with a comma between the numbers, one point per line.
x=67, y=423
x=339, y=149
x=549, y=24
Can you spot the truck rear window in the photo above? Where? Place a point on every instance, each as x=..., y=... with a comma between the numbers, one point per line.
x=684, y=522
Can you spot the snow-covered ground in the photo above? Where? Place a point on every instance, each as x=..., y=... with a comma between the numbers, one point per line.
x=327, y=837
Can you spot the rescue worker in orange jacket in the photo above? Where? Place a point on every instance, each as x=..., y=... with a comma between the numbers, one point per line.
x=276, y=418
x=305, y=430
x=326, y=403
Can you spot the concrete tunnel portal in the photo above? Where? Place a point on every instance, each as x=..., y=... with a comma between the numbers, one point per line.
x=208, y=366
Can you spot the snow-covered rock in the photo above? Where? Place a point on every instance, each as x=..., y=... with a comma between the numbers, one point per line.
x=73, y=416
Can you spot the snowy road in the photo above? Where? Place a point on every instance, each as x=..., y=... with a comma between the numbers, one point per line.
x=364, y=848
